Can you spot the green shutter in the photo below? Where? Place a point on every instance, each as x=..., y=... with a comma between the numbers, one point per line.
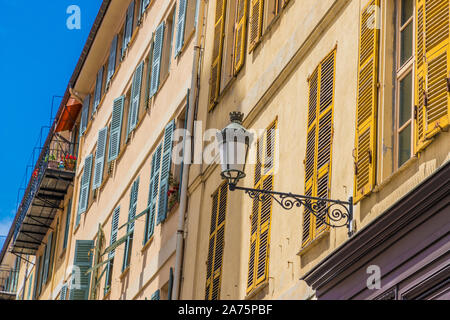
x=100, y=158
x=30, y=281
x=181, y=24
x=48, y=249
x=84, y=190
x=79, y=290
x=165, y=172
x=112, y=60
x=153, y=193
x=116, y=128
x=130, y=227
x=114, y=229
x=128, y=27
x=133, y=112
x=156, y=61
x=156, y=295
x=84, y=114
x=63, y=292
x=98, y=90
x=36, y=277
x=170, y=289
x=66, y=231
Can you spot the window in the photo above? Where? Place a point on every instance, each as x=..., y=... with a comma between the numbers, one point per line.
x=128, y=27
x=167, y=46
x=98, y=90
x=153, y=193
x=216, y=243
x=82, y=261
x=112, y=60
x=157, y=48
x=260, y=218
x=111, y=254
x=130, y=227
x=319, y=139
x=367, y=104
x=84, y=187
x=67, y=225
x=405, y=81
x=135, y=98
x=187, y=14
x=115, y=133
x=100, y=158
x=84, y=114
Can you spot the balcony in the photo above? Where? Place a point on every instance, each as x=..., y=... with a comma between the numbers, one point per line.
x=53, y=174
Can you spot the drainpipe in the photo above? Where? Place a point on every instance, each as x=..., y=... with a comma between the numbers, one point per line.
x=193, y=100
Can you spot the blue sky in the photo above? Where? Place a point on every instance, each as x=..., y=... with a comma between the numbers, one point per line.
x=38, y=56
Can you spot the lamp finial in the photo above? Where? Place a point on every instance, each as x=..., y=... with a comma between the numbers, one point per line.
x=236, y=117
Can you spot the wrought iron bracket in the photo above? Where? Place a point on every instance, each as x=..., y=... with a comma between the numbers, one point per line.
x=333, y=213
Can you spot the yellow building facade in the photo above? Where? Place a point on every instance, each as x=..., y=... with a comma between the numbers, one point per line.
x=348, y=99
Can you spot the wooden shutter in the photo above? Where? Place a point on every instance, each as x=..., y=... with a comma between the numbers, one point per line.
x=84, y=114
x=437, y=66
x=30, y=282
x=116, y=128
x=98, y=90
x=156, y=60
x=136, y=86
x=128, y=27
x=165, y=172
x=156, y=295
x=63, y=294
x=319, y=140
x=114, y=229
x=216, y=65
x=256, y=22
x=153, y=193
x=367, y=104
x=66, y=229
x=181, y=24
x=82, y=262
x=170, y=286
x=100, y=158
x=240, y=35
x=85, y=183
x=260, y=218
x=216, y=243
x=48, y=248
x=36, y=278
x=112, y=60
x=130, y=226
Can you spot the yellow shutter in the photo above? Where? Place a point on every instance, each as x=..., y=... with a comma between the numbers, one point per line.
x=260, y=218
x=256, y=21
x=216, y=65
x=216, y=243
x=367, y=102
x=437, y=58
x=319, y=143
x=240, y=35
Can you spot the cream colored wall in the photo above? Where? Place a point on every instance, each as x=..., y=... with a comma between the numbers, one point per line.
x=273, y=84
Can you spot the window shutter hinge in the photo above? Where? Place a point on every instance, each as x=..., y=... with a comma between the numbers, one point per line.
x=448, y=84
x=415, y=112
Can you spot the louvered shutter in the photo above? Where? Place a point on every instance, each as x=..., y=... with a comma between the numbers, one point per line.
x=116, y=128
x=84, y=114
x=181, y=24
x=114, y=229
x=216, y=64
x=153, y=192
x=144, y=5
x=130, y=226
x=156, y=295
x=367, y=104
x=112, y=60
x=79, y=289
x=436, y=48
x=256, y=21
x=419, y=114
x=128, y=27
x=98, y=90
x=36, y=278
x=156, y=59
x=100, y=158
x=48, y=249
x=136, y=87
x=66, y=229
x=170, y=286
x=85, y=183
x=165, y=172
x=240, y=36
x=30, y=282
x=63, y=292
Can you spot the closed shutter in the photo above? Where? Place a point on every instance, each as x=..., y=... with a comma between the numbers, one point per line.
x=136, y=86
x=319, y=140
x=100, y=158
x=256, y=22
x=216, y=64
x=128, y=27
x=156, y=60
x=165, y=172
x=84, y=190
x=36, y=278
x=114, y=229
x=240, y=35
x=112, y=60
x=260, y=218
x=130, y=226
x=216, y=243
x=66, y=229
x=153, y=193
x=116, y=128
x=79, y=289
x=435, y=69
x=181, y=24
x=84, y=114
x=48, y=248
x=156, y=295
x=98, y=90
x=367, y=104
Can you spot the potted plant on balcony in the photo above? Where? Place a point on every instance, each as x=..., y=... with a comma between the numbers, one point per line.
x=69, y=162
x=173, y=191
x=52, y=161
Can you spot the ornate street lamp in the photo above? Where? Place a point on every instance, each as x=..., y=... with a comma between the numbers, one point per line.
x=234, y=142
